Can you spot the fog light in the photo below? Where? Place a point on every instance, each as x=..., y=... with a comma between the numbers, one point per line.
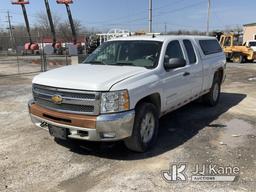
x=109, y=135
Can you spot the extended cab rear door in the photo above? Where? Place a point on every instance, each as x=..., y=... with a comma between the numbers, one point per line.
x=195, y=68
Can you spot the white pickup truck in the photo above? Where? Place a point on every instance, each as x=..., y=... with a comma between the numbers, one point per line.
x=122, y=89
x=251, y=44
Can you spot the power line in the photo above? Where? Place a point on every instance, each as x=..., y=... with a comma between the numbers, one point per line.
x=139, y=13
x=158, y=15
x=169, y=4
x=180, y=9
x=123, y=21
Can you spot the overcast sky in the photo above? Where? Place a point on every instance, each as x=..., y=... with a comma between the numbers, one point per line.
x=133, y=14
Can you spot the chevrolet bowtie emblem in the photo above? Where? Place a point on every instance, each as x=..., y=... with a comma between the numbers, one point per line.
x=57, y=99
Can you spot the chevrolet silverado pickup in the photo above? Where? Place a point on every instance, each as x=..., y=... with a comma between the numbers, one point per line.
x=122, y=89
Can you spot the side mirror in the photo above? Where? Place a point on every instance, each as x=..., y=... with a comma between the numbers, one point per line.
x=175, y=63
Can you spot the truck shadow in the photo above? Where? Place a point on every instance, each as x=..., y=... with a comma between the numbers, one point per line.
x=175, y=129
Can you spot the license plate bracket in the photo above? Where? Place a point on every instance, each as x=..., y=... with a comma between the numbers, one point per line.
x=58, y=132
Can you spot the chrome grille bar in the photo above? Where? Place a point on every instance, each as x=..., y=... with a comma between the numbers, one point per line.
x=74, y=101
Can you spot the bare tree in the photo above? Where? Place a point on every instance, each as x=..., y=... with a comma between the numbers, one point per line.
x=235, y=29
x=62, y=28
x=65, y=31
x=186, y=32
x=42, y=25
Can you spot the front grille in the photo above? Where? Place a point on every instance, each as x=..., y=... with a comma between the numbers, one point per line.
x=74, y=101
x=51, y=91
x=65, y=107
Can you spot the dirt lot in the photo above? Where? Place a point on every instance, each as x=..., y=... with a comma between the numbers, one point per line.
x=30, y=160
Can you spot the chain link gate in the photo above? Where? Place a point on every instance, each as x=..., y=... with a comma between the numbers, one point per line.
x=17, y=60
x=14, y=59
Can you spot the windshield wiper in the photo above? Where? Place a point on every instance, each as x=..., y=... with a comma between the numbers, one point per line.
x=95, y=63
x=123, y=64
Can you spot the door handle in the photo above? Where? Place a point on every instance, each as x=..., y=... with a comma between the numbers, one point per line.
x=186, y=74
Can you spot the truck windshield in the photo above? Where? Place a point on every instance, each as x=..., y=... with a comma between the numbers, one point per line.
x=127, y=53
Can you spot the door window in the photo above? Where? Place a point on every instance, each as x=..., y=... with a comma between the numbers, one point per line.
x=190, y=51
x=174, y=50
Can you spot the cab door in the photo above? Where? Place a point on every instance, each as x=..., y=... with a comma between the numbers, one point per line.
x=176, y=81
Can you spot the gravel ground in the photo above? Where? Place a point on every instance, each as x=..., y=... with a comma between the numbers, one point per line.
x=31, y=160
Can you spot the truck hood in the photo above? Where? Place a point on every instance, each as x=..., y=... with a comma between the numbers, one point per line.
x=87, y=77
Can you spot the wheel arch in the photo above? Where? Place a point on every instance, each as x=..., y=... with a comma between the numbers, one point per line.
x=154, y=99
x=220, y=74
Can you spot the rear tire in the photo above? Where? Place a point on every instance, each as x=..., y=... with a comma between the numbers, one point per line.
x=145, y=128
x=238, y=58
x=212, y=98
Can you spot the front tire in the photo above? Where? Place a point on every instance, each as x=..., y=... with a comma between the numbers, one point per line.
x=213, y=97
x=145, y=129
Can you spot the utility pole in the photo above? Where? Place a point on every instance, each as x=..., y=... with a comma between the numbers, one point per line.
x=208, y=18
x=150, y=16
x=165, y=28
x=10, y=29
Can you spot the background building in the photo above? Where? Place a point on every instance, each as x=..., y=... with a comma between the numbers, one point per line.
x=249, y=32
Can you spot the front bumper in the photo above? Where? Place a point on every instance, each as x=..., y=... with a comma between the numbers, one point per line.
x=110, y=127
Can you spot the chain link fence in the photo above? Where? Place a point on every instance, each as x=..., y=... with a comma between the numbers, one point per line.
x=15, y=59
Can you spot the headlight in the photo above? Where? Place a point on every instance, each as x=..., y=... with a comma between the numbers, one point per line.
x=116, y=101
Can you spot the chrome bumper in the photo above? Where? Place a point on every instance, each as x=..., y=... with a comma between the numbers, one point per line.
x=111, y=127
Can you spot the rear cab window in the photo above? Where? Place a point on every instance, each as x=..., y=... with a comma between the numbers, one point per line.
x=210, y=46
